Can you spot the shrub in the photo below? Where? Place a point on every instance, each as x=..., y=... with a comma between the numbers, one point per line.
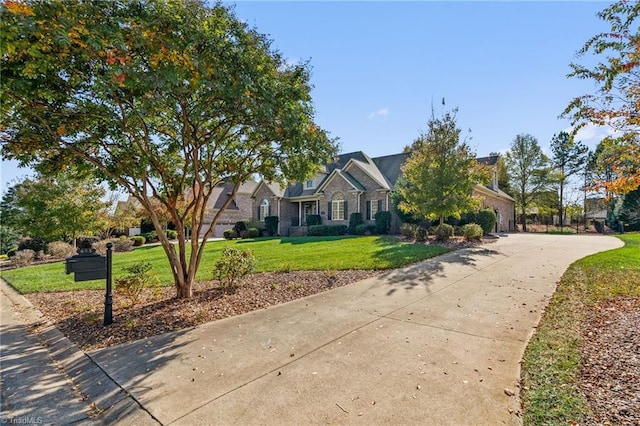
x=271, y=225
x=472, y=232
x=121, y=245
x=229, y=234
x=12, y=252
x=233, y=265
x=171, y=234
x=337, y=229
x=138, y=240
x=314, y=219
x=239, y=227
x=137, y=277
x=24, y=257
x=362, y=229
x=457, y=230
x=408, y=230
x=60, y=250
x=383, y=222
x=318, y=231
x=150, y=237
x=354, y=220
x=34, y=244
x=421, y=234
x=252, y=233
x=487, y=219
x=443, y=232
x=86, y=242
x=8, y=238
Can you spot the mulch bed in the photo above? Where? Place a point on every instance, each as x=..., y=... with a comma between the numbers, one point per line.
x=610, y=378
x=79, y=314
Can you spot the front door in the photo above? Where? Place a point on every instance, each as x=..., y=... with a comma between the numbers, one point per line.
x=308, y=209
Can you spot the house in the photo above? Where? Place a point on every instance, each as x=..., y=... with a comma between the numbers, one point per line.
x=239, y=208
x=355, y=182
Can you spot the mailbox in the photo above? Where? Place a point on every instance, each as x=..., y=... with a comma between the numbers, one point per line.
x=87, y=266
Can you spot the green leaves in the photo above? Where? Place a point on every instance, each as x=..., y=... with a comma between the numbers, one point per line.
x=440, y=174
x=164, y=99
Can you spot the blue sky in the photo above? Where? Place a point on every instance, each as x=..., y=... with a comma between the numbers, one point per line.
x=377, y=67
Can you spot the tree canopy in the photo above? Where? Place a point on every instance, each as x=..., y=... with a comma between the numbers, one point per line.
x=166, y=100
x=51, y=208
x=528, y=171
x=569, y=159
x=616, y=102
x=439, y=175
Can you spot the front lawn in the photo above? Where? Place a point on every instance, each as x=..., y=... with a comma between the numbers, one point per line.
x=553, y=361
x=272, y=254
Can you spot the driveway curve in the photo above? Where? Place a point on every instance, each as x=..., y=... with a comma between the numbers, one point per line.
x=438, y=342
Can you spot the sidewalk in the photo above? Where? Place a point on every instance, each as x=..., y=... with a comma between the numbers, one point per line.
x=48, y=380
x=438, y=342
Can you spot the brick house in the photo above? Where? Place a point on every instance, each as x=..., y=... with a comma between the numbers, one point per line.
x=356, y=182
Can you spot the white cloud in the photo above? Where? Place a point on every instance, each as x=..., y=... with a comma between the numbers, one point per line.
x=382, y=112
x=592, y=134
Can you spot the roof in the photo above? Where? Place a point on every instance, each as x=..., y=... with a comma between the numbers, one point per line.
x=488, y=161
x=384, y=170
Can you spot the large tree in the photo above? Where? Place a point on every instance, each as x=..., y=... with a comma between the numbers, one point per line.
x=440, y=173
x=163, y=99
x=59, y=207
x=569, y=158
x=528, y=169
x=616, y=102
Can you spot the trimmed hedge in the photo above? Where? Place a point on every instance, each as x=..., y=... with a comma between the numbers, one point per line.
x=229, y=234
x=271, y=225
x=326, y=230
x=383, y=222
x=314, y=220
x=355, y=219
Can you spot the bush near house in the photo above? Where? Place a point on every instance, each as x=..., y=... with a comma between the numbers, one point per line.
x=314, y=219
x=472, y=232
x=443, y=232
x=487, y=219
x=271, y=225
x=229, y=234
x=138, y=240
x=408, y=230
x=240, y=227
x=250, y=233
x=354, y=220
x=326, y=230
x=383, y=222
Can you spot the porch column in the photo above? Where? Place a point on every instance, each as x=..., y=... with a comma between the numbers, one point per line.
x=279, y=218
x=299, y=213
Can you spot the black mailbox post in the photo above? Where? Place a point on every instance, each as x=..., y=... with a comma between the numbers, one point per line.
x=88, y=266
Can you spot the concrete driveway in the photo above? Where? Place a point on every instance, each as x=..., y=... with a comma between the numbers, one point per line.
x=436, y=343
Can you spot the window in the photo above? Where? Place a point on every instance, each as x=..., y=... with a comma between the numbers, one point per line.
x=310, y=183
x=373, y=207
x=338, y=207
x=263, y=210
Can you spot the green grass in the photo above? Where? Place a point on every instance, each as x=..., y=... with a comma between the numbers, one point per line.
x=551, y=364
x=272, y=254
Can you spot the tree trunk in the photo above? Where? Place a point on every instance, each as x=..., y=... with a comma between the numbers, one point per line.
x=523, y=220
x=184, y=288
